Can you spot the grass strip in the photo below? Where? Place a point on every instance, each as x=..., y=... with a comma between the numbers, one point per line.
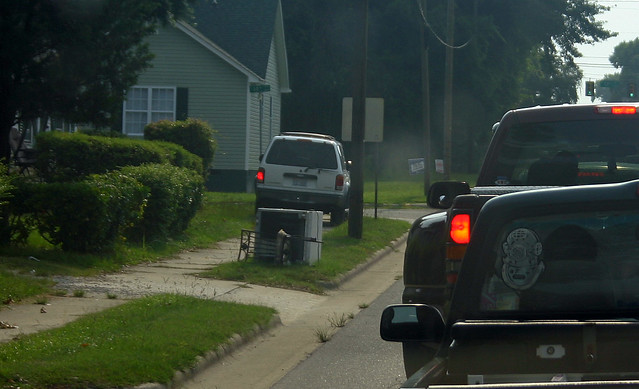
x=396, y=194
x=15, y=287
x=222, y=216
x=340, y=254
x=145, y=340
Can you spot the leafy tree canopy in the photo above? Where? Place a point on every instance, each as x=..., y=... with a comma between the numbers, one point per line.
x=510, y=54
x=73, y=58
x=616, y=87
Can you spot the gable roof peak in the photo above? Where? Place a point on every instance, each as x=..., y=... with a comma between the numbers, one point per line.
x=243, y=28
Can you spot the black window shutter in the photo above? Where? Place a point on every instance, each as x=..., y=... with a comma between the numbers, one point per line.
x=182, y=104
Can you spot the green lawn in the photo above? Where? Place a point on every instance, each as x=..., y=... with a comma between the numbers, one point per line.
x=145, y=340
x=340, y=253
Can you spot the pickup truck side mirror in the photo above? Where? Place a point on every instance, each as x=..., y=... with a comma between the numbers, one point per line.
x=442, y=194
x=411, y=323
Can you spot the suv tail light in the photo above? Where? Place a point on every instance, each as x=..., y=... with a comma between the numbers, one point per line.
x=339, y=182
x=260, y=175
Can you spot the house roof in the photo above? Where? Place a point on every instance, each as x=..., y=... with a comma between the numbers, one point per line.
x=242, y=28
x=204, y=41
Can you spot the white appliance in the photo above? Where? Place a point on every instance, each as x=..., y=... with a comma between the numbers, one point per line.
x=304, y=228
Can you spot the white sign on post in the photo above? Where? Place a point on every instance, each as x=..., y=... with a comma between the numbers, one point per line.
x=374, y=130
x=416, y=165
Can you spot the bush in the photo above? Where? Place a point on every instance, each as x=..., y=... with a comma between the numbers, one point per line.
x=194, y=135
x=65, y=156
x=82, y=216
x=124, y=197
x=6, y=184
x=176, y=195
x=6, y=188
x=180, y=157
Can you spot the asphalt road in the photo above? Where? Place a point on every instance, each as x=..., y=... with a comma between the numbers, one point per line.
x=356, y=357
x=263, y=362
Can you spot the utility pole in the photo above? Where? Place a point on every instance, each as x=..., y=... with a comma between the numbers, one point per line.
x=356, y=211
x=448, y=89
x=425, y=98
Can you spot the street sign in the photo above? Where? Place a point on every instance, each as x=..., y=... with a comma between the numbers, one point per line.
x=259, y=88
x=416, y=165
x=608, y=83
x=374, y=126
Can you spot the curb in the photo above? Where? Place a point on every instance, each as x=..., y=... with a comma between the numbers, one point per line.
x=214, y=356
x=381, y=253
x=237, y=341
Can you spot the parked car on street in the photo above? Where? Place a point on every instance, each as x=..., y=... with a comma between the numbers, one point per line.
x=547, y=295
x=302, y=170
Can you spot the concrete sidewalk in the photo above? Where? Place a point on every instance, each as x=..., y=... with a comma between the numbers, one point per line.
x=300, y=313
x=176, y=275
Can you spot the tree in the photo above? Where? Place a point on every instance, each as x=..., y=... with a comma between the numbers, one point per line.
x=512, y=54
x=73, y=59
x=615, y=87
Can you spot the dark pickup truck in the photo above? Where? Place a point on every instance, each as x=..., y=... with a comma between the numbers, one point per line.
x=547, y=296
x=531, y=148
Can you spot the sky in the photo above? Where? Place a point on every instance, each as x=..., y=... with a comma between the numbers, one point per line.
x=622, y=18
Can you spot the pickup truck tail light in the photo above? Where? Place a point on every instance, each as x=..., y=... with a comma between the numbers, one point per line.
x=456, y=248
x=617, y=109
x=260, y=175
x=460, y=228
x=339, y=182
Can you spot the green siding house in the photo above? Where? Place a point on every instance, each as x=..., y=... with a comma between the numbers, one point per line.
x=226, y=66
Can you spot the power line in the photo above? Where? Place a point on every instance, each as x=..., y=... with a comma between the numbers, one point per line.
x=594, y=65
x=421, y=12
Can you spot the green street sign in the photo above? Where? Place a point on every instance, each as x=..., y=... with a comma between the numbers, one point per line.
x=259, y=88
x=609, y=83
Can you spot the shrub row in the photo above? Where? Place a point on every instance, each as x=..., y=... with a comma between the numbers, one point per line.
x=65, y=156
x=146, y=202
x=176, y=195
x=194, y=135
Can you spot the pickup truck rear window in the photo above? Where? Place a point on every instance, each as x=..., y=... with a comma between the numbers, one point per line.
x=567, y=153
x=564, y=263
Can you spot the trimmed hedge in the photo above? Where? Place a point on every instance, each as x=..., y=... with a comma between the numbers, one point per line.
x=194, y=135
x=82, y=216
x=63, y=156
x=176, y=195
x=145, y=203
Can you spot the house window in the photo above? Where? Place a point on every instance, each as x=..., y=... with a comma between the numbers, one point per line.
x=145, y=105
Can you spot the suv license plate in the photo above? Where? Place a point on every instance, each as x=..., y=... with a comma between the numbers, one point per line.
x=299, y=182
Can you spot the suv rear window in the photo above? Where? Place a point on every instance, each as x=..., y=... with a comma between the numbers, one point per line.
x=568, y=153
x=303, y=153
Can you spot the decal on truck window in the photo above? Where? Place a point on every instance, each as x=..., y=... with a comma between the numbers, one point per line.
x=521, y=263
x=518, y=267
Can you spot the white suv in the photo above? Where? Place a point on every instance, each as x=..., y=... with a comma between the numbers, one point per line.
x=302, y=170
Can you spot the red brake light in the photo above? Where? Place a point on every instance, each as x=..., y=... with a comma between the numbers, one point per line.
x=260, y=175
x=624, y=110
x=460, y=228
x=339, y=182
x=617, y=110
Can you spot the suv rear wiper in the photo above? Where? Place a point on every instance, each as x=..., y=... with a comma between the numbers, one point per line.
x=319, y=169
